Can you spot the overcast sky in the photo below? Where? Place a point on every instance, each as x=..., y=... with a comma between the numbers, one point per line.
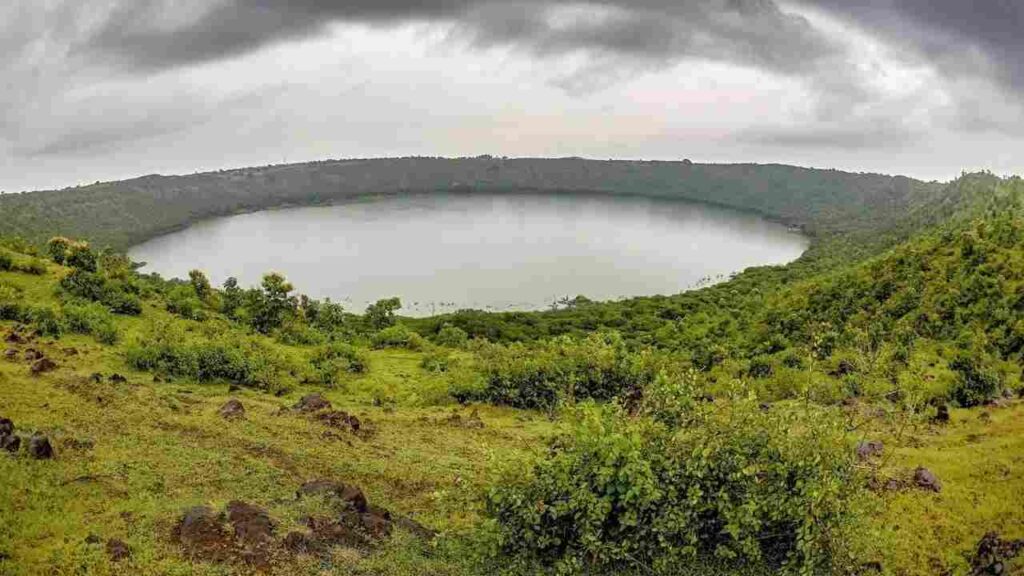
x=109, y=89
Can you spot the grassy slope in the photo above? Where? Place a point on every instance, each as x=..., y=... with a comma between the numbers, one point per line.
x=132, y=456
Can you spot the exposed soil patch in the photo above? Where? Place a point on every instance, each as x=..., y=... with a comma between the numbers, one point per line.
x=232, y=410
x=994, y=553
x=312, y=403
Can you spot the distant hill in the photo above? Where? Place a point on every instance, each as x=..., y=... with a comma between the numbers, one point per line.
x=120, y=214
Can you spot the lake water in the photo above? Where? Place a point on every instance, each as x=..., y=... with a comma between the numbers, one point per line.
x=442, y=252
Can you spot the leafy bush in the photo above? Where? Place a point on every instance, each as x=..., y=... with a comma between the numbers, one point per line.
x=91, y=319
x=46, y=321
x=451, y=336
x=397, y=336
x=118, y=295
x=297, y=333
x=6, y=262
x=244, y=360
x=738, y=487
x=335, y=359
x=546, y=374
x=182, y=301
x=437, y=362
x=975, y=385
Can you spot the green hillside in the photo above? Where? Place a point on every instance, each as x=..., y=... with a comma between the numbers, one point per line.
x=855, y=412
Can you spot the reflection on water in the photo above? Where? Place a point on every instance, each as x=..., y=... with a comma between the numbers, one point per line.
x=441, y=252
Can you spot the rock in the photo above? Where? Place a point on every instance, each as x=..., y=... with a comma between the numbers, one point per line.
x=869, y=448
x=10, y=443
x=374, y=525
x=340, y=419
x=941, y=414
x=39, y=447
x=333, y=532
x=11, y=354
x=351, y=495
x=202, y=534
x=299, y=543
x=926, y=480
x=15, y=338
x=312, y=403
x=6, y=426
x=118, y=379
x=96, y=377
x=117, y=550
x=232, y=410
x=252, y=524
x=993, y=554
x=415, y=528
x=43, y=365
x=33, y=354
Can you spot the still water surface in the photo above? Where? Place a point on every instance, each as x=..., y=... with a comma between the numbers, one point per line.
x=441, y=252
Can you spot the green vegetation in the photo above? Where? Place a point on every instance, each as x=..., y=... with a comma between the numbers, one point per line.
x=853, y=412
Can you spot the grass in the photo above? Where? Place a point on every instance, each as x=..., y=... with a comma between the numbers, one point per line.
x=133, y=455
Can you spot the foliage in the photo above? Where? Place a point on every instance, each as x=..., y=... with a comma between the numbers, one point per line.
x=166, y=349
x=333, y=360
x=200, y=284
x=564, y=369
x=118, y=295
x=398, y=336
x=381, y=314
x=451, y=336
x=91, y=318
x=975, y=384
x=738, y=487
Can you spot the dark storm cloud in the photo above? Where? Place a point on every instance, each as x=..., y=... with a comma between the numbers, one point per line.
x=140, y=34
x=948, y=33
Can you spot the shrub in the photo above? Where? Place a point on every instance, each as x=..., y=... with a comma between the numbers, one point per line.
x=975, y=385
x=182, y=301
x=297, y=333
x=397, y=336
x=58, y=248
x=6, y=262
x=91, y=319
x=82, y=257
x=46, y=321
x=118, y=295
x=546, y=374
x=451, y=336
x=32, y=266
x=335, y=359
x=229, y=356
x=437, y=362
x=738, y=489
x=760, y=367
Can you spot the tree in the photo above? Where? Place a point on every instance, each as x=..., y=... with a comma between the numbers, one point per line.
x=271, y=306
x=58, y=248
x=381, y=313
x=200, y=283
x=82, y=257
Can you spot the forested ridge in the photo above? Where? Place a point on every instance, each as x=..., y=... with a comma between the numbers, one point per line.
x=119, y=214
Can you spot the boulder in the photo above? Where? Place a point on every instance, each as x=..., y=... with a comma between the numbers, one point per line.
x=33, y=354
x=299, y=543
x=232, y=410
x=39, y=447
x=351, y=496
x=993, y=553
x=15, y=338
x=252, y=524
x=926, y=480
x=340, y=420
x=118, y=379
x=6, y=426
x=312, y=403
x=10, y=443
x=11, y=354
x=869, y=448
x=202, y=535
x=43, y=365
x=117, y=550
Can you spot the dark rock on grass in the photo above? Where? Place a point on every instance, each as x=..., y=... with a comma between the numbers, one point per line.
x=300, y=543
x=340, y=420
x=14, y=337
x=117, y=550
x=375, y=525
x=118, y=379
x=869, y=448
x=6, y=426
x=993, y=554
x=312, y=403
x=43, y=365
x=33, y=354
x=352, y=496
x=10, y=443
x=926, y=480
x=332, y=532
x=96, y=377
x=202, y=535
x=252, y=524
x=232, y=410
x=11, y=354
x=941, y=414
x=39, y=447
